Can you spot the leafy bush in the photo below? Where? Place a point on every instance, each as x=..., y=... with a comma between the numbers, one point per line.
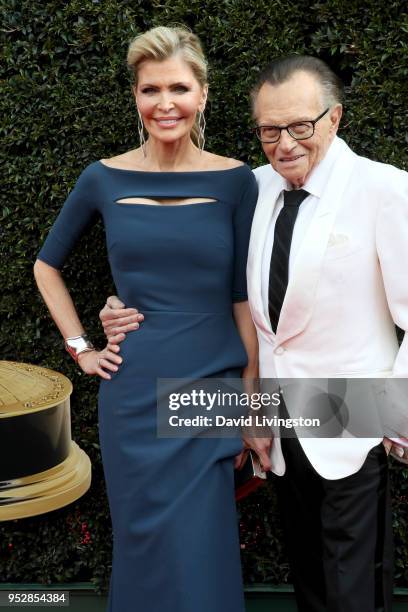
x=66, y=102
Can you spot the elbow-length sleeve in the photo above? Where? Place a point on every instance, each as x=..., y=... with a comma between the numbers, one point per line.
x=76, y=214
x=243, y=216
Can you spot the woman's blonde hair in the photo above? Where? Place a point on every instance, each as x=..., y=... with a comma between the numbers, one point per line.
x=164, y=42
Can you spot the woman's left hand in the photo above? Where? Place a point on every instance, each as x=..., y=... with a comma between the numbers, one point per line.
x=261, y=446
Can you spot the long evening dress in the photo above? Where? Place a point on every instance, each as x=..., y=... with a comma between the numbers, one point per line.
x=175, y=532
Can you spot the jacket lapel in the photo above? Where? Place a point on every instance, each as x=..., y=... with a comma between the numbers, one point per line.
x=270, y=185
x=298, y=303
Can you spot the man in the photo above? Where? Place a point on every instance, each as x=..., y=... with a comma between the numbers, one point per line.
x=342, y=248
x=326, y=283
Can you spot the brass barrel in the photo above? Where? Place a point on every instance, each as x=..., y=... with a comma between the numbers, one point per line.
x=41, y=468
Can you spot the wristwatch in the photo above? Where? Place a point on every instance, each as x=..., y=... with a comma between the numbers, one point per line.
x=77, y=345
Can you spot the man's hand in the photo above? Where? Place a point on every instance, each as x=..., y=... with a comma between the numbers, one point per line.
x=118, y=320
x=398, y=448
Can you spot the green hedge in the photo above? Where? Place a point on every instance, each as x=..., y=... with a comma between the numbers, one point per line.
x=66, y=102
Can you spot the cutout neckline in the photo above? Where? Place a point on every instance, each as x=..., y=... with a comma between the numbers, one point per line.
x=169, y=171
x=170, y=201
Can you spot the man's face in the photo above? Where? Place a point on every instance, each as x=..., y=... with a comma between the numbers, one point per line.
x=300, y=98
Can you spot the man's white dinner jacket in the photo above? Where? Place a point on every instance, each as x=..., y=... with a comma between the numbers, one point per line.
x=348, y=285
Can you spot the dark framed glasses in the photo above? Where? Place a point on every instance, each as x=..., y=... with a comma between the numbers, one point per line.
x=299, y=130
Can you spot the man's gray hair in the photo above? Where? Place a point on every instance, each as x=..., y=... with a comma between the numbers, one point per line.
x=281, y=70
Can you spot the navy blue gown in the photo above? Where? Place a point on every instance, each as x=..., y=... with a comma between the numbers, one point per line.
x=175, y=532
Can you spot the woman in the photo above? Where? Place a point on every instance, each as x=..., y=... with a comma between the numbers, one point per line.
x=177, y=221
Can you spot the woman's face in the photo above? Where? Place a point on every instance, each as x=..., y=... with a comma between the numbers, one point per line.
x=168, y=97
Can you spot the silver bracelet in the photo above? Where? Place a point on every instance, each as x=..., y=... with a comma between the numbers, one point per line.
x=77, y=345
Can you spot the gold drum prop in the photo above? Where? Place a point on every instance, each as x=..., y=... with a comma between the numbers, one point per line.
x=41, y=468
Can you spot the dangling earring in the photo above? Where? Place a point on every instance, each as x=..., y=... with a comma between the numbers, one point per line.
x=201, y=130
x=140, y=129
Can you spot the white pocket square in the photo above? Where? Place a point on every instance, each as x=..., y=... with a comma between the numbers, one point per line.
x=335, y=239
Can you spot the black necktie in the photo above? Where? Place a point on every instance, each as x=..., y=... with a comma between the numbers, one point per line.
x=279, y=270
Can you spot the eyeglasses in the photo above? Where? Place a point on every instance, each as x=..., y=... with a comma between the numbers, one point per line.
x=300, y=130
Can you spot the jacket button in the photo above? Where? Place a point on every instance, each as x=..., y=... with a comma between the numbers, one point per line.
x=279, y=350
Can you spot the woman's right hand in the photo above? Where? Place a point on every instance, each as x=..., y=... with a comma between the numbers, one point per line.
x=95, y=363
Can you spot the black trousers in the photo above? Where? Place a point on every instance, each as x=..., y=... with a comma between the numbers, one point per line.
x=338, y=534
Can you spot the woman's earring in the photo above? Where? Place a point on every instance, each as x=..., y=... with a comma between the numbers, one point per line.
x=201, y=130
x=140, y=129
